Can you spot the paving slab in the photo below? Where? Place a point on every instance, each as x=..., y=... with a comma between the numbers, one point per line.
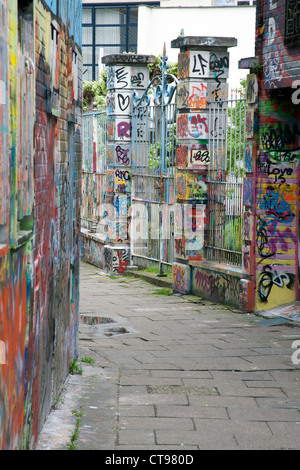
x=174, y=372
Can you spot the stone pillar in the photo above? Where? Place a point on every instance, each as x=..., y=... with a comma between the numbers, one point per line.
x=247, y=286
x=203, y=66
x=125, y=73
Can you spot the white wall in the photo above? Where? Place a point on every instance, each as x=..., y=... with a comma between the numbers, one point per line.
x=157, y=26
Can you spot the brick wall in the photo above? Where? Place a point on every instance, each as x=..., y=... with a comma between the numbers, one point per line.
x=39, y=257
x=277, y=133
x=278, y=42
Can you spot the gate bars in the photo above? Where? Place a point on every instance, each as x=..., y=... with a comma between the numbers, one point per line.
x=225, y=181
x=153, y=168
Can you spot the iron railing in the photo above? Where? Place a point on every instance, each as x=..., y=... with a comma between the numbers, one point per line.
x=225, y=181
x=94, y=166
x=153, y=169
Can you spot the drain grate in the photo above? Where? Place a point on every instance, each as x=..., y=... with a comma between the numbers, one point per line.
x=116, y=331
x=93, y=319
x=182, y=390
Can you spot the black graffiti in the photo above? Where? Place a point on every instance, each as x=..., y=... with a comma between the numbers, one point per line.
x=124, y=101
x=278, y=173
x=269, y=278
x=202, y=63
x=218, y=64
x=284, y=155
x=201, y=156
x=218, y=130
x=262, y=241
x=122, y=155
x=183, y=94
x=123, y=175
x=277, y=138
x=250, y=90
x=121, y=76
x=136, y=80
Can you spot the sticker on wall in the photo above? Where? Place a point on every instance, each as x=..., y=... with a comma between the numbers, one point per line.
x=192, y=95
x=249, y=123
x=251, y=88
x=192, y=126
x=122, y=129
x=248, y=158
x=182, y=156
x=217, y=92
x=122, y=180
x=180, y=186
x=181, y=278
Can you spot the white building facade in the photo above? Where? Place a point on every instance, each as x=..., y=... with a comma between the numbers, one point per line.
x=144, y=28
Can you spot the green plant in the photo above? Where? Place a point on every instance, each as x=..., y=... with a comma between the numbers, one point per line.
x=170, y=149
x=75, y=433
x=57, y=401
x=162, y=291
x=155, y=70
x=88, y=360
x=75, y=368
x=235, y=130
x=257, y=69
x=98, y=88
x=154, y=270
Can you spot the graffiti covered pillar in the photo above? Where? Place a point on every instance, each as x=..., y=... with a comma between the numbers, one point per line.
x=277, y=156
x=248, y=285
x=125, y=73
x=203, y=65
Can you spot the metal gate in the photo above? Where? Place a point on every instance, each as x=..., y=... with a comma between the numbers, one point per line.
x=153, y=171
x=225, y=181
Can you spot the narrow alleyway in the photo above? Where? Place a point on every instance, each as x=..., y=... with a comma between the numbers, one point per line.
x=174, y=372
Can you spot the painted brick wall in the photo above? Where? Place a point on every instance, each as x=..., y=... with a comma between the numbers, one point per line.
x=40, y=221
x=277, y=163
x=278, y=42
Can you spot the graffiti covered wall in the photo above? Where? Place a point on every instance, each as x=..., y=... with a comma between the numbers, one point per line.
x=277, y=157
x=40, y=139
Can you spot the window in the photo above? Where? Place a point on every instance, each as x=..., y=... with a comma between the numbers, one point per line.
x=107, y=29
x=292, y=23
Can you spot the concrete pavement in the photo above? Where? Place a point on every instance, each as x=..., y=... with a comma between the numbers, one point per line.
x=175, y=372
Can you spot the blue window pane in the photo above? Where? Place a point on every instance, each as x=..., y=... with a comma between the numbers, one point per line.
x=86, y=15
x=110, y=35
x=110, y=16
x=87, y=35
x=133, y=15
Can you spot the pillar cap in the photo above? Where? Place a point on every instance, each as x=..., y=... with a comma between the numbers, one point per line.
x=247, y=62
x=203, y=42
x=128, y=59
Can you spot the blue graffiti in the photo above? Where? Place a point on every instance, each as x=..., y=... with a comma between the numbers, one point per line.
x=277, y=207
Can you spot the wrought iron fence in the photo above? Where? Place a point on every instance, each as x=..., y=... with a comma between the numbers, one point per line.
x=225, y=181
x=94, y=167
x=153, y=169
x=94, y=131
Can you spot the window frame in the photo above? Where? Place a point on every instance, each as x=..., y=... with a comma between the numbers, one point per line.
x=128, y=46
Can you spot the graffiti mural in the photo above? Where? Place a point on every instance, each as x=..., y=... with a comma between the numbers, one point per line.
x=40, y=183
x=181, y=278
x=278, y=42
x=277, y=164
x=221, y=287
